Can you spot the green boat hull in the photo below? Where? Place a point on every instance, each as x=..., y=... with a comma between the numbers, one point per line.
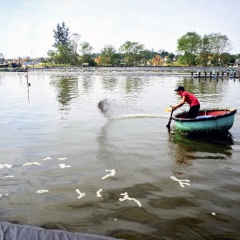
x=206, y=123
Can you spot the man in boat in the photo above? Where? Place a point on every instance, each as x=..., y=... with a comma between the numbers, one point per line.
x=190, y=99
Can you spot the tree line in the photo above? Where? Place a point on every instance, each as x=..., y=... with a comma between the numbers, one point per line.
x=212, y=49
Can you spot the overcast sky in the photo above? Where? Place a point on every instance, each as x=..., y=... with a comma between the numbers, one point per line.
x=26, y=26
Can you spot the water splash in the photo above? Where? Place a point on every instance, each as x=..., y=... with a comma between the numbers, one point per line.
x=115, y=111
x=140, y=115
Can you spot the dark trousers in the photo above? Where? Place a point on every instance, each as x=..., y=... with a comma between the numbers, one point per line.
x=193, y=111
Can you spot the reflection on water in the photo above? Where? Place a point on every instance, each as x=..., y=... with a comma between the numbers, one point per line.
x=186, y=148
x=110, y=83
x=135, y=84
x=88, y=83
x=130, y=142
x=219, y=144
x=203, y=88
x=67, y=90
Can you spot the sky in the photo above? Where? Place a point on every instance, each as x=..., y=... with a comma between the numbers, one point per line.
x=27, y=25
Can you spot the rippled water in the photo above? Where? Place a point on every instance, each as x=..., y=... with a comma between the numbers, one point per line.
x=55, y=139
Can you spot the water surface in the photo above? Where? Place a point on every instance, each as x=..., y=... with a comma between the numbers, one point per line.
x=55, y=139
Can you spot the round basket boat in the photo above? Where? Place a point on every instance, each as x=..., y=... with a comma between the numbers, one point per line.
x=207, y=120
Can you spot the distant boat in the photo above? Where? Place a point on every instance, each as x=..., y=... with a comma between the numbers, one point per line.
x=207, y=120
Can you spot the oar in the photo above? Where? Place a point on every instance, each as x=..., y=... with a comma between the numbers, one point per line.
x=170, y=119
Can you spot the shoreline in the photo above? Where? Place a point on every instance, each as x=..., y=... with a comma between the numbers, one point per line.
x=125, y=71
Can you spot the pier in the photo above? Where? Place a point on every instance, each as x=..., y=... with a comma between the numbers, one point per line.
x=216, y=75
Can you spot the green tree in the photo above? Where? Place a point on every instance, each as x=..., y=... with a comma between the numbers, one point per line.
x=75, y=40
x=61, y=35
x=228, y=59
x=109, y=55
x=52, y=54
x=204, y=51
x=146, y=55
x=2, y=59
x=86, y=48
x=218, y=44
x=66, y=46
x=163, y=53
x=86, y=51
x=188, y=46
x=65, y=54
x=132, y=52
x=237, y=56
